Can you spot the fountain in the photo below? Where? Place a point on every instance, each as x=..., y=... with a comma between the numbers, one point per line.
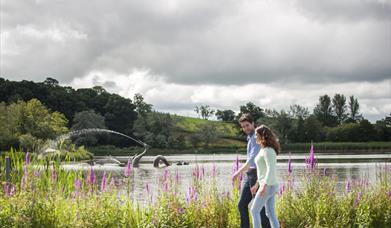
x=135, y=159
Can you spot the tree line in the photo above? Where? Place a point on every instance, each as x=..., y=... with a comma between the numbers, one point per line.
x=32, y=112
x=335, y=119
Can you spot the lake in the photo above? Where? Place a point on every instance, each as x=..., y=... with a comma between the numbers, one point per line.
x=343, y=167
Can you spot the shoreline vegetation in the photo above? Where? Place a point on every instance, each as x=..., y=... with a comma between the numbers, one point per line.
x=35, y=196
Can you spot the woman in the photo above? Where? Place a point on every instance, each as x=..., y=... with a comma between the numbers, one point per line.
x=266, y=162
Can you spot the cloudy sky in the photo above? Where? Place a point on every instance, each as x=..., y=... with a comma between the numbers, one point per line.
x=183, y=53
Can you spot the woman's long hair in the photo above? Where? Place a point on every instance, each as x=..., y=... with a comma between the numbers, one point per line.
x=267, y=138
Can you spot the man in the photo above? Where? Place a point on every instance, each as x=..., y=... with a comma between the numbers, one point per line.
x=248, y=126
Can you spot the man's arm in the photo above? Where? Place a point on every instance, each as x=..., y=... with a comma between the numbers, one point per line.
x=252, y=154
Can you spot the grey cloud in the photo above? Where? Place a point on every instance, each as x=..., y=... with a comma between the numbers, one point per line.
x=200, y=42
x=346, y=10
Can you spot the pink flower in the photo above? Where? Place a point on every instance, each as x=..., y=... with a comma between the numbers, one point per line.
x=128, y=169
x=359, y=196
x=77, y=184
x=91, y=177
x=103, y=182
x=289, y=165
x=347, y=186
x=27, y=158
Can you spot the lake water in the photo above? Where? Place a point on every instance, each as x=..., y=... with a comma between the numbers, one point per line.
x=343, y=167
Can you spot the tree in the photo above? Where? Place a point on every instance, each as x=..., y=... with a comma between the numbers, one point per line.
x=354, y=107
x=225, y=115
x=50, y=82
x=156, y=129
x=209, y=133
x=142, y=108
x=99, y=90
x=120, y=114
x=383, y=128
x=205, y=111
x=84, y=120
x=197, y=110
x=298, y=111
x=34, y=118
x=255, y=111
x=280, y=122
x=27, y=124
x=339, y=107
x=367, y=131
x=313, y=129
x=324, y=112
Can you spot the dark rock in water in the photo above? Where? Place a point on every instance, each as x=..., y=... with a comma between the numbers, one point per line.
x=182, y=163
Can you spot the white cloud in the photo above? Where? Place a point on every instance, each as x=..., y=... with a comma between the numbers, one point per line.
x=374, y=97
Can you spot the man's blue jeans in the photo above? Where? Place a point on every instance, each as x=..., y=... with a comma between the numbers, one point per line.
x=245, y=199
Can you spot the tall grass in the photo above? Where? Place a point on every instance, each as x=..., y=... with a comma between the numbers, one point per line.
x=41, y=196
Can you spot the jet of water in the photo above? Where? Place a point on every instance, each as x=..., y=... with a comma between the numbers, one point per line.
x=61, y=138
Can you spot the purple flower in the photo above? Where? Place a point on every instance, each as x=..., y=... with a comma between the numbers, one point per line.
x=359, y=196
x=103, y=182
x=91, y=177
x=214, y=170
x=13, y=191
x=177, y=176
x=347, y=186
x=37, y=174
x=25, y=177
x=165, y=175
x=282, y=189
x=128, y=169
x=6, y=188
x=290, y=165
x=236, y=164
x=77, y=184
x=112, y=183
x=389, y=193
x=191, y=194
x=196, y=173
x=311, y=161
x=27, y=158
x=54, y=174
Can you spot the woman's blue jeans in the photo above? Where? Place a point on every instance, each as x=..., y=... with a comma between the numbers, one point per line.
x=267, y=201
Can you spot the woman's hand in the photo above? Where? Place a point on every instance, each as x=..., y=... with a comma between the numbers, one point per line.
x=262, y=189
x=254, y=189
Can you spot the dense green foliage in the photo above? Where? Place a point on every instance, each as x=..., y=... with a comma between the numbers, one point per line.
x=31, y=113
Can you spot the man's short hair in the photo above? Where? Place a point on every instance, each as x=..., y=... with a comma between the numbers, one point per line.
x=246, y=117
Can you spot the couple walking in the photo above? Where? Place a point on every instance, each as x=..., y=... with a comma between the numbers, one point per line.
x=261, y=178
